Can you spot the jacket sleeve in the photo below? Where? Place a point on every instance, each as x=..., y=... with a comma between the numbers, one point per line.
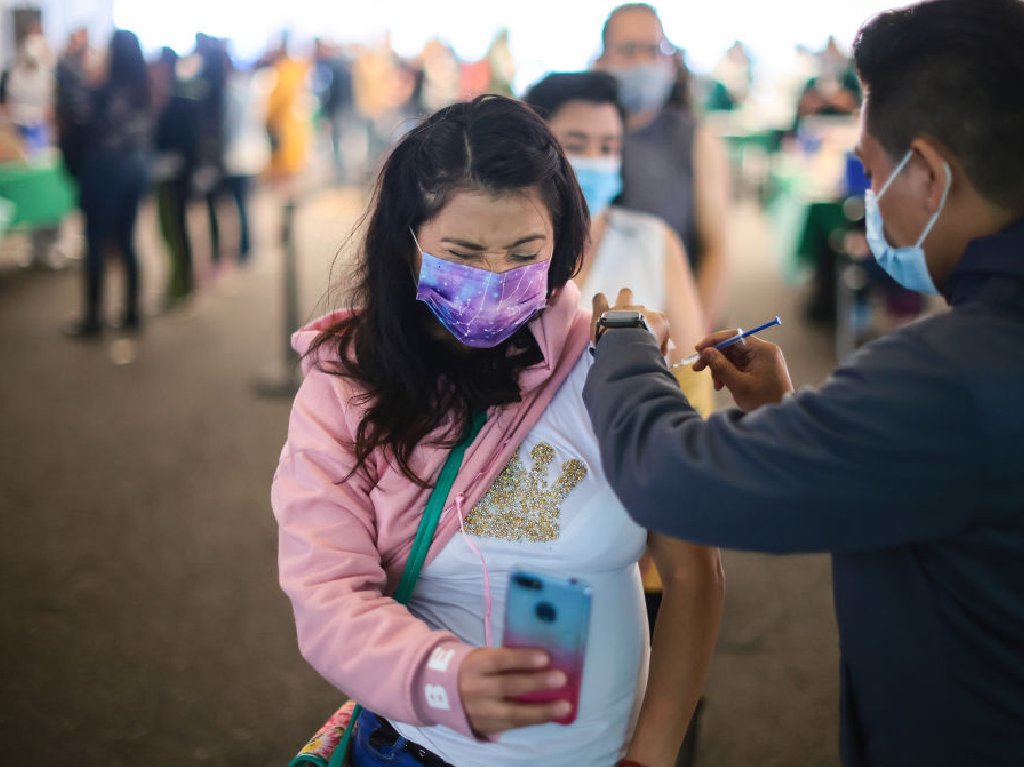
x=885, y=453
x=355, y=636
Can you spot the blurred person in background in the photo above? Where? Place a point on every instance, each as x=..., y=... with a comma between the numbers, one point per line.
x=29, y=104
x=214, y=64
x=114, y=179
x=478, y=196
x=475, y=76
x=289, y=115
x=441, y=76
x=332, y=83
x=383, y=87
x=673, y=167
x=29, y=92
x=831, y=95
x=177, y=156
x=501, y=65
x=731, y=79
x=626, y=248
x=798, y=72
x=834, y=90
x=246, y=148
x=211, y=88
x=71, y=101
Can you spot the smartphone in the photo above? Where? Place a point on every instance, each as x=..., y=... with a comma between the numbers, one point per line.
x=551, y=614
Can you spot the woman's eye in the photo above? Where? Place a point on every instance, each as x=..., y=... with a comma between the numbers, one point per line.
x=524, y=256
x=464, y=256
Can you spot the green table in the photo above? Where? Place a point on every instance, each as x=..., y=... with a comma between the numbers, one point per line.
x=34, y=195
x=821, y=221
x=803, y=221
x=767, y=141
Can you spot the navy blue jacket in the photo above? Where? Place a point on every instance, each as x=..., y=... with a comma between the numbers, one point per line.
x=908, y=466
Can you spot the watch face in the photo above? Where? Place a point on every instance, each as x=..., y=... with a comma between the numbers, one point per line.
x=623, y=318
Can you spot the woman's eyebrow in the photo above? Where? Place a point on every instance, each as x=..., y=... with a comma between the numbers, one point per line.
x=577, y=134
x=463, y=243
x=525, y=240
x=478, y=247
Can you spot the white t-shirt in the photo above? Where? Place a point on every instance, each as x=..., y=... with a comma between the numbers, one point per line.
x=551, y=511
x=631, y=255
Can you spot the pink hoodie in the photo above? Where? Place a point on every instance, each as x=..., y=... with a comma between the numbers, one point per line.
x=343, y=545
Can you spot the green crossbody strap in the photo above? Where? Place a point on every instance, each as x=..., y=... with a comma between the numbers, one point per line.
x=435, y=505
x=420, y=547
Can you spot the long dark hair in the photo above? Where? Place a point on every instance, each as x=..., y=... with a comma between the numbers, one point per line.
x=128, y=74
x=414, y=383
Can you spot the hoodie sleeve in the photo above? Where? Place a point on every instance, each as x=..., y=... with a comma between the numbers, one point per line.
x=886, y=453
x=355, y=636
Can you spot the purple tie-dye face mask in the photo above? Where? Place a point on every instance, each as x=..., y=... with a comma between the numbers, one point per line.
x=479, y=307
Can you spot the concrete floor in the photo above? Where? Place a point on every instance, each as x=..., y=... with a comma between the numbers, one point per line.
x=142, y=621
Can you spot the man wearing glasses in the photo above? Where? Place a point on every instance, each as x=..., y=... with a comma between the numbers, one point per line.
x=673, y=167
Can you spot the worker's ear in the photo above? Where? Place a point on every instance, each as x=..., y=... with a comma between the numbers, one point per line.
x=930, y=168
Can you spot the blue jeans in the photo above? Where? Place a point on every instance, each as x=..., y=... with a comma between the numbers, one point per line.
x=376, y=744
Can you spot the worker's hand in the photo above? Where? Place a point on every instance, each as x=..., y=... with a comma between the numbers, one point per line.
x=491, y=677
x=754, y=371
x=657, y=322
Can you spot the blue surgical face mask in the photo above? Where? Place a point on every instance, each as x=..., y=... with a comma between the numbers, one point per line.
x=645, y=87
x=906, y=265
x=600, y=179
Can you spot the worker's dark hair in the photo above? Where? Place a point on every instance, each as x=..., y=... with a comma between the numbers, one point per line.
x=952, y=71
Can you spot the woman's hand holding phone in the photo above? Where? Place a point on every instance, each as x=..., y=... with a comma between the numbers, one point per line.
x=489, y=680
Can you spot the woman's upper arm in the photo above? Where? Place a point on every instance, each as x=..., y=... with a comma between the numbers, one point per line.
x=680, y=561
x=348, y=628
x=711, y=207
x=711, y=183
x=682, y=303
x=323, y=509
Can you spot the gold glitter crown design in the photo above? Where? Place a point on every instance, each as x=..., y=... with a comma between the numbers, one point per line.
x=521, y=505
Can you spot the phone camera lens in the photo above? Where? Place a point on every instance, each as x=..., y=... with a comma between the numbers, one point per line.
x=526, y=582
x=546, y=612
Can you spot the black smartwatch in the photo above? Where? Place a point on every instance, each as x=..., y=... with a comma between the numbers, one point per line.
x=620, y=318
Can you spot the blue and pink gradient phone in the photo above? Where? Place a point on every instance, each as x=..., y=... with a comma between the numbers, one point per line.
x=552, y=614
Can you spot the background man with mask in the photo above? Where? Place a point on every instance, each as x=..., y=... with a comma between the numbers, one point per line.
x=672, y=167
x=906, y=463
